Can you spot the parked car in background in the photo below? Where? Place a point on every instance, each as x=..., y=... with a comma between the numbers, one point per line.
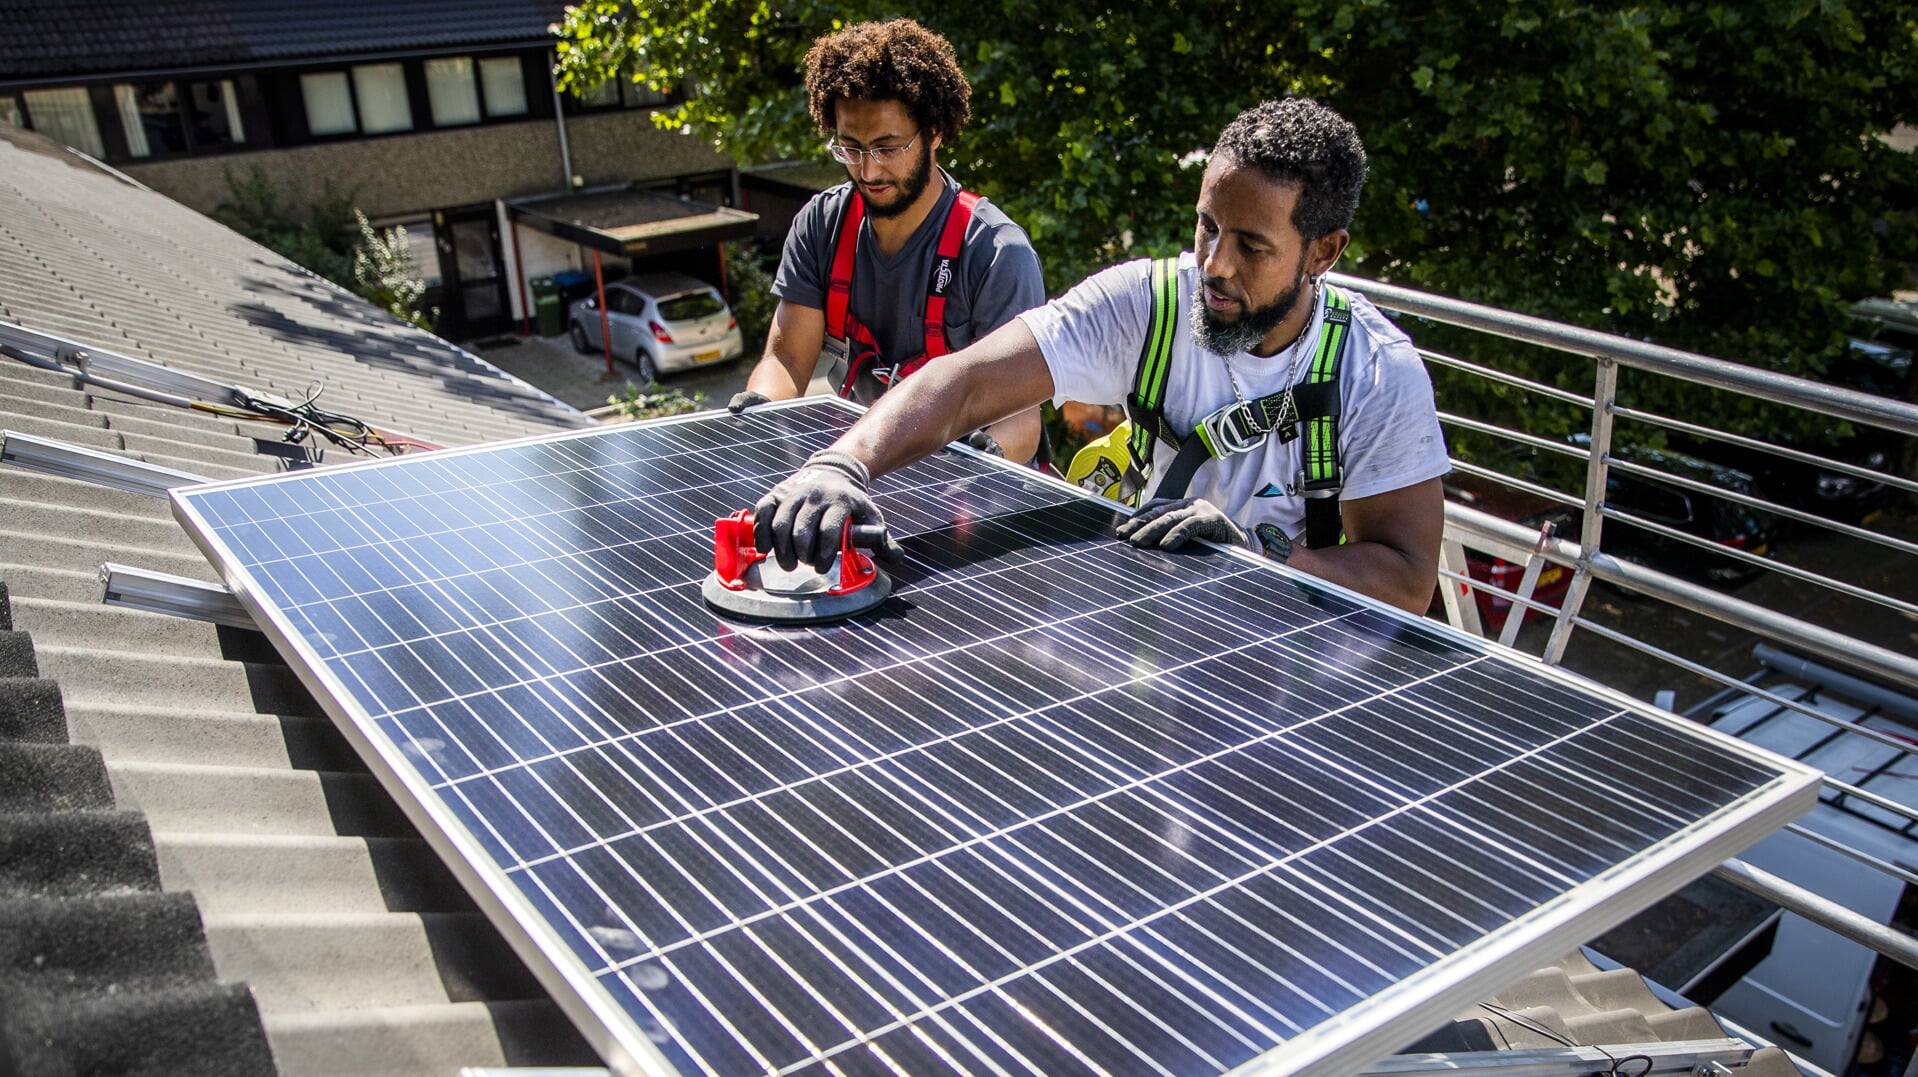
x=1523, y=507
x=661, y=323
x=1718, y=519
x=1868, y=366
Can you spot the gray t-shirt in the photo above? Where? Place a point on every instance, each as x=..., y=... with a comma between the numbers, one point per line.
x=998, y=273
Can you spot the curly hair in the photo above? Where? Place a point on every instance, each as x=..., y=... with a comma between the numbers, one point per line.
x=1299, y=141
x=898, y=60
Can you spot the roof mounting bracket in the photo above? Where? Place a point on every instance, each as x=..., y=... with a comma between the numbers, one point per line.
x=176, y=596
x=70, y=461
x=1687, y=1057
x=98, y=364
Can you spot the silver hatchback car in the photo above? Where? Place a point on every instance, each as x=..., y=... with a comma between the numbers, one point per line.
x=661, y=323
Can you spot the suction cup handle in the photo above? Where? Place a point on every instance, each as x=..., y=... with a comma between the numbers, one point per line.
x=868, y=536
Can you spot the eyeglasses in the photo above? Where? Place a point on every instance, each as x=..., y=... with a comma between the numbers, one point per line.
x=880, y=155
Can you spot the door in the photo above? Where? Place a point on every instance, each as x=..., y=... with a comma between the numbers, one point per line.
x=471, y=267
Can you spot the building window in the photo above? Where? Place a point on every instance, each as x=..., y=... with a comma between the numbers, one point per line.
x=213, y=114
x=604, y=95
x=158, y=120
x=369, y=99
x=620, y=93
x=457, y=98
x=65, y=116
x=505, y=86
x=329, y=104
x=380, y=91
x=449, y=85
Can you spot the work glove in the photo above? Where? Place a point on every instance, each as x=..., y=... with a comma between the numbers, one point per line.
x=1171, y=524
x=744, y=399
x=983, y=441
x=805, y=517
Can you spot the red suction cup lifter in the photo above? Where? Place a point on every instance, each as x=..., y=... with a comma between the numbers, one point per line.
x=855, y=565
x=734, y=553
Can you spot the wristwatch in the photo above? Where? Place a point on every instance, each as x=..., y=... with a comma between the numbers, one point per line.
x=1277, y=545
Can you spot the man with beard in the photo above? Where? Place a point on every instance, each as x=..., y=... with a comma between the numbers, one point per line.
x=899, y=265
x=1279, y=192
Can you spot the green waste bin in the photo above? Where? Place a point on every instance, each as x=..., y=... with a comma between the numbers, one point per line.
x=549, y=318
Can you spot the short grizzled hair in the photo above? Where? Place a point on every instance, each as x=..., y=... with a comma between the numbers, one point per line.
x=899, y=61
x=1299, y=141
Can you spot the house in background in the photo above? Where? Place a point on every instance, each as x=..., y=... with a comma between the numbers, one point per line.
x=432, y=115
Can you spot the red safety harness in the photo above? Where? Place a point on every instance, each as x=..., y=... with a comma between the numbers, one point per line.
x=844, y=325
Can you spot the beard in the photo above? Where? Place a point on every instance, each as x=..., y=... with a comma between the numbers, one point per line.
x=1243, y=333
x=906, y=190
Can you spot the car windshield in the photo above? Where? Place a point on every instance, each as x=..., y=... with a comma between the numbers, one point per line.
x=684, y=308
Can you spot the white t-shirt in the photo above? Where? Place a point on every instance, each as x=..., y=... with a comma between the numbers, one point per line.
x=1389, y=435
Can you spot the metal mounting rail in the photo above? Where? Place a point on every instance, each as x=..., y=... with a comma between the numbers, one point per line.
x=176, y=596
x=67, y=461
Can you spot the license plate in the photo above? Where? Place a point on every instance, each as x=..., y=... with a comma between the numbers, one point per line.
x=1761, y=549
x=1550, y=574
x=706, y=357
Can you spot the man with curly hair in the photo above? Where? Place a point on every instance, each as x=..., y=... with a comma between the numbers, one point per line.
x=1239, y=323
x=898, y=265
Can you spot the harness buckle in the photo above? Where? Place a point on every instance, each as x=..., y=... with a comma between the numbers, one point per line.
x=1232, y=429
x=1319, y=488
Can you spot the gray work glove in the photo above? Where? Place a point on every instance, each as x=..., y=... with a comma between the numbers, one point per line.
x=1171, y=524
x=983, y=441
x=746, y=399
x=805, y=517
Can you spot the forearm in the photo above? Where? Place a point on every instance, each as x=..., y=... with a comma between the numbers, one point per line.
x=995, y=378
x=1391, y=547
x=1370, y=568
x=792, y=351
x=1018, y=436
x=916, y=418
x=778, y=378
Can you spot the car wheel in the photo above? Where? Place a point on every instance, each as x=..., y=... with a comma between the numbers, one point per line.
x=580, y=343
x=648, y=369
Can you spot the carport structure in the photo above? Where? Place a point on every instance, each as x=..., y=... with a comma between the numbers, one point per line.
x=627, y=222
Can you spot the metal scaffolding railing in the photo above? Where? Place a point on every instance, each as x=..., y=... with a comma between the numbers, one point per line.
x=1532, y=550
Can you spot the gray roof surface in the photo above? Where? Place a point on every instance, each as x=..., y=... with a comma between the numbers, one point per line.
x=317, y=900
x=54, y=38
x=319, y=905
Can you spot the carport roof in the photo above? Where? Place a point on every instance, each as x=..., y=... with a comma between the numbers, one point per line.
x=626, y=221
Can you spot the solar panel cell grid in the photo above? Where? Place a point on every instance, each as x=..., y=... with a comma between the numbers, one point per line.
x=1058, y=806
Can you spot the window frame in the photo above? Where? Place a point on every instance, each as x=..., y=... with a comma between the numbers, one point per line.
x=181, y=89
x=408, y=69
x=419, y=87
x=575, y=104
x=99, y=147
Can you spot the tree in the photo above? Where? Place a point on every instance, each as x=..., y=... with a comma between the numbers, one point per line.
x=319, y=238
x=383, y=273
x=1701, y=174
x=331, y=239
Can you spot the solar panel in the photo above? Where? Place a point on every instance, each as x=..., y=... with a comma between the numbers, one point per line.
x=1058, y=806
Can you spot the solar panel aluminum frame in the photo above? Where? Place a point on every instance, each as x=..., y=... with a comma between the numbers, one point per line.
x=1341, y=1045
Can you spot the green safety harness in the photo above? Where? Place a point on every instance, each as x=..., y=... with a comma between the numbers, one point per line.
x=1313, y=403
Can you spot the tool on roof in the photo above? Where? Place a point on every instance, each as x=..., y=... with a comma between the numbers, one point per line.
x=164, y=385
x=747, y=583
